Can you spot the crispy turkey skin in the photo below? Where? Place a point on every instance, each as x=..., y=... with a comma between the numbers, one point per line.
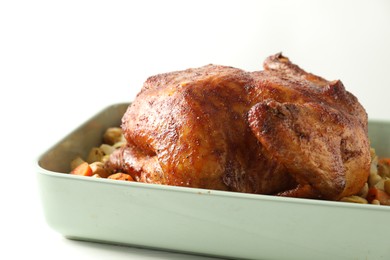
x=278, y=131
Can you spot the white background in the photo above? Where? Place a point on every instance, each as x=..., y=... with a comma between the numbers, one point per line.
x=63, y=61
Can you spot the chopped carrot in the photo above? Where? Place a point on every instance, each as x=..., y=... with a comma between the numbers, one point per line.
x=121, y=176
x=385, y=161
x=380, y=195
x=83, y=170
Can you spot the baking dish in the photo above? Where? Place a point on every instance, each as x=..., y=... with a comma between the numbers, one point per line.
x=206, y=222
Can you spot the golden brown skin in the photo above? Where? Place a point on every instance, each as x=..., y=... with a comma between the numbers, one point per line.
x=279, y=131
x=314, y=127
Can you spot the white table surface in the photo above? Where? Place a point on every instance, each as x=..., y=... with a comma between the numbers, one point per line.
x=63, y=61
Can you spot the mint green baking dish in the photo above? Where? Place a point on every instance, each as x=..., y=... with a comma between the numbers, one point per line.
x=206, y=222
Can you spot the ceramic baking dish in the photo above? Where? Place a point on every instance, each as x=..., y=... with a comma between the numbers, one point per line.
x=206, y=222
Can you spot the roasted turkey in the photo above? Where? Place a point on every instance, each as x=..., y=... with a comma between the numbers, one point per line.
x=279, y=131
